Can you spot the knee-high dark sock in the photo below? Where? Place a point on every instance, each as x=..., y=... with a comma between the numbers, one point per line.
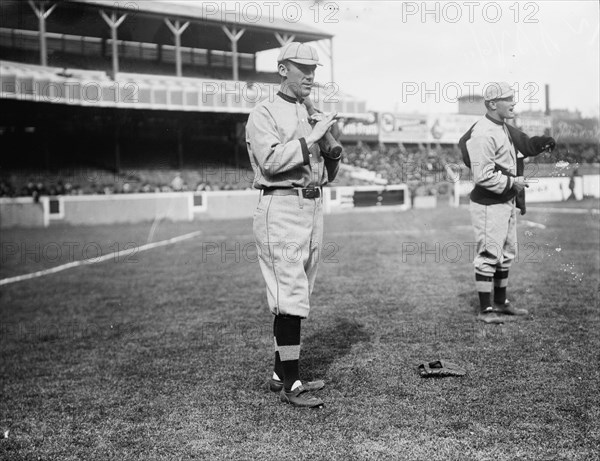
x=500, y=284
x=287, y=334
x=484, y=290
x=278, y=367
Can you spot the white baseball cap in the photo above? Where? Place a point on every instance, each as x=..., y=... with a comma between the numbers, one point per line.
x=498, y=90
x=300, y=53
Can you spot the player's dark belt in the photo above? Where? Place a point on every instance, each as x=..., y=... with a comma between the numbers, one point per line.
x=307, y=192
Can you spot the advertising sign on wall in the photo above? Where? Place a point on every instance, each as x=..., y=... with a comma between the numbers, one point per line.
x=364, y=129
x=534, y=126
x=402, y=128
x=449, y=128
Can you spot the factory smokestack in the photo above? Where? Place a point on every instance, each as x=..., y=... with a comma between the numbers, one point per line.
x=547, y=99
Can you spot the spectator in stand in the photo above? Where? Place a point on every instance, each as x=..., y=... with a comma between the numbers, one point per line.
x=6, y=189
x=572, y=185
x=177, y=183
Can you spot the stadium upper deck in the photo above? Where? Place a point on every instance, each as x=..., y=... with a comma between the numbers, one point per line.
x=149, y=55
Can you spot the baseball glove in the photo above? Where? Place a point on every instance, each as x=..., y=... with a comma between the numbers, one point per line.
x=440, y=369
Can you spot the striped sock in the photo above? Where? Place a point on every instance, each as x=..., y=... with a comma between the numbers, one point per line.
x=277, y=368
x=287, y=334
x=484, y=290
x=500, y=284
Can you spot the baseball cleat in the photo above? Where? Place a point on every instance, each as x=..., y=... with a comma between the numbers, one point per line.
x=299, y=398
x=506, y=309
x=276, y=386
x=488, y=315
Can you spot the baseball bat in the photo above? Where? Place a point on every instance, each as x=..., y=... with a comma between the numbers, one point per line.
x=327, y=143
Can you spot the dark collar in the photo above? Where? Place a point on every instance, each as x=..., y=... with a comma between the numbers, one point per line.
x=287, y=98
x=493, y=120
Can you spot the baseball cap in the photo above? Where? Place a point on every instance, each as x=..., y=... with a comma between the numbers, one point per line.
x=498, y=90
x=300, y=53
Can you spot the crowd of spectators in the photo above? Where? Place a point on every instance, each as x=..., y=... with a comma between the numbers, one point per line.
x=83, y=182
x=427, y=169
x=423, y=168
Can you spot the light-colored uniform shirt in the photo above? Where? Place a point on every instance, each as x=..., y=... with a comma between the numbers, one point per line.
x=275, y=136
x=490, y=147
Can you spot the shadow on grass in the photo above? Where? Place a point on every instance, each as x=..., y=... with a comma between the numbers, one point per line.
x=469, y=302
x=321, y=349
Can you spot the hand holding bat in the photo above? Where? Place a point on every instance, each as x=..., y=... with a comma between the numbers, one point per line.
x=327, y=142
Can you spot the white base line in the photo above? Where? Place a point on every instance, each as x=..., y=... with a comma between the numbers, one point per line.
x=85, y=262
x=524, y=222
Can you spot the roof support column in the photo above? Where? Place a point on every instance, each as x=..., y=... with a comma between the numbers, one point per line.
x=234, y=35
x=284, y=39
x=331, y=57
x=39, y=8
x=114, y=24
x=177, y=30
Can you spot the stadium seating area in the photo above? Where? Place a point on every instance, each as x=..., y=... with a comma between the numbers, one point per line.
x=424, y=169
x=97, y=181
x=73, y=51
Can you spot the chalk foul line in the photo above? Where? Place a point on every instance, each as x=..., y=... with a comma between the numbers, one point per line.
x=86, y=262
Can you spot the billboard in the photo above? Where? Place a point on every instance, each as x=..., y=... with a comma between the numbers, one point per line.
x=534, y=126
x=356, y=129
x=423, y=128
x=449, y=128
x=395, y=128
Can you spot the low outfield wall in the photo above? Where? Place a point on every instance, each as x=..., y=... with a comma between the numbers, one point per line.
x=123, y=208
x=554, y=189
x=23, y=212
x=198, y=206
x=228, y=204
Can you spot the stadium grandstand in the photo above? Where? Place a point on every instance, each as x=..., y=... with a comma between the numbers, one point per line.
x=102, y=96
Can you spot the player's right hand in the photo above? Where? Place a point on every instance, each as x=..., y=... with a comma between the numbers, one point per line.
x=520, y=183
x=321, y=127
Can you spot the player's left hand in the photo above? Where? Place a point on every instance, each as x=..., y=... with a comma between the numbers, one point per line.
x=548, y=143
x=318, y=116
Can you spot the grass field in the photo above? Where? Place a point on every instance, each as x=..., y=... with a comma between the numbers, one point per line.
x=164, y=354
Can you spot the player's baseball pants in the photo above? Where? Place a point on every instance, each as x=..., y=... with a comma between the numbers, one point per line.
x=496, y=236
x=289, y=230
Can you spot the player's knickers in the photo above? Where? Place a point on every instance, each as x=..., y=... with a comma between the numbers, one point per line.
x=496, y=236
x=289, y=241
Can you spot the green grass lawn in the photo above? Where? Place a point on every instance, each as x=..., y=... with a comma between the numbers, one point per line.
x=165, y=356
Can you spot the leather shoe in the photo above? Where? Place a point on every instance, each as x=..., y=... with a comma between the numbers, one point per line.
x=488, y=315
x=507, y=309
x=299, y=398
x=275, y=385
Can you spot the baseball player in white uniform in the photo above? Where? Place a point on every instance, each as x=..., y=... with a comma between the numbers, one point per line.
x=290, y=169
x=493, y=160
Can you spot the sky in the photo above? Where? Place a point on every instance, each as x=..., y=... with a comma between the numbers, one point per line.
x=420, y=56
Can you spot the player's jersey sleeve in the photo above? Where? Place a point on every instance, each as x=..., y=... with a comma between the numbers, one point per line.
x=272, y=154
x=482, y=149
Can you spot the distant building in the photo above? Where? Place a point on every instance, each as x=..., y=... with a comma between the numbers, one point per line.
x=556, y=114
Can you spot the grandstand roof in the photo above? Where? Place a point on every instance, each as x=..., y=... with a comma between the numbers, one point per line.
x=145, y=22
